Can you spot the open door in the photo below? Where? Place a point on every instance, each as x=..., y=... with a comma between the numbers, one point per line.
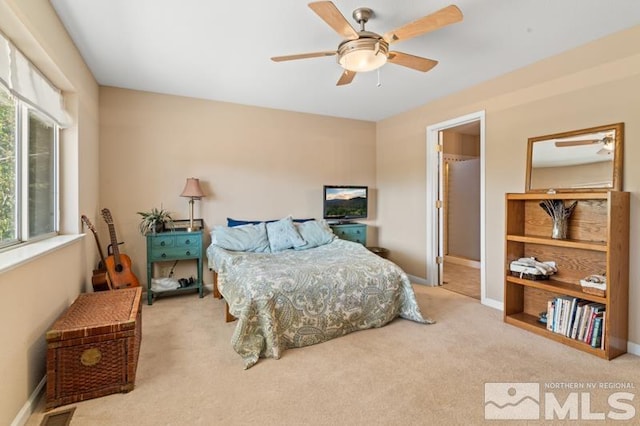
x=436, y=223
x=439, y=205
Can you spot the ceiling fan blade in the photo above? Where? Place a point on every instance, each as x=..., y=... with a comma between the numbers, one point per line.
x=443, y=17
x=410, y=61
x=346, y=78
x=302, y=56
x=561, y=144
x=330, y=14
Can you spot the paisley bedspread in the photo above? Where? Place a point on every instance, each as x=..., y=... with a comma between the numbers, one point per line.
x=296, y=298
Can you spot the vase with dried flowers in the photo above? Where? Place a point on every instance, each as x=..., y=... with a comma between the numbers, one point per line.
x=559, y=215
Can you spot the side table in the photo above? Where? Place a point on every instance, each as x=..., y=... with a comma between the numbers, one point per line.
x=353, y=231
x=176, y=245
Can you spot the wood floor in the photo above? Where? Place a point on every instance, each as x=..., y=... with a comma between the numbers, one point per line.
x=462, y=279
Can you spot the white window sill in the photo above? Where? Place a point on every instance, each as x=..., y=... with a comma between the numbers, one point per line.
x=18, y=256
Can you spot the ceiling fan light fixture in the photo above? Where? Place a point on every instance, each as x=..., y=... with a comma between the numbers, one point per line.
x=363, y=54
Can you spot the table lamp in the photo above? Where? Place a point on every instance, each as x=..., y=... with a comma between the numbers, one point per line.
x=192, y=191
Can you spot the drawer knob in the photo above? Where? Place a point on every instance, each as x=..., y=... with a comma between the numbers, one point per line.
x=187, y=242
x=163, y=255
x=188, y=253
x=162, y=243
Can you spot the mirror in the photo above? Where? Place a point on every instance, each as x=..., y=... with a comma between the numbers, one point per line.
x=581, y=160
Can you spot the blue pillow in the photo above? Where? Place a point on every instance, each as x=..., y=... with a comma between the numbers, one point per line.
x=241, y=238
x=316, y=233
x=283, y=235
x=234, y=222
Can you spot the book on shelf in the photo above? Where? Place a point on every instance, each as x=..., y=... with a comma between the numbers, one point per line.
x=579, y=316
x=577, y=319
x=597, y=312
x=596, y=335
x=572, y=316
x=603, y=328
x=550, y=313
x=561, y=314
x=585, y=324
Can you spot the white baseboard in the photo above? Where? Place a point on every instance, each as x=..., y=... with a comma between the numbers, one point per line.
x=633, y=348
x=29, y=407
x=495, y=304
x=418, y=280
x=492, y=303
x=462, y=261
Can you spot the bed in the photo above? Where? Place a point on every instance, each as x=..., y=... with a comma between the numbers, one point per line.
x=306, y=294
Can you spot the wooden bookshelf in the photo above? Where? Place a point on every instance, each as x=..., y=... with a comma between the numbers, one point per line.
x=598, y=243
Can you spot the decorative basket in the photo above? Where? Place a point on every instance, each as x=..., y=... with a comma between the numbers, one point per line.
x=590, y=285
x=93, y=347
x=594, y=291
x=532, y=277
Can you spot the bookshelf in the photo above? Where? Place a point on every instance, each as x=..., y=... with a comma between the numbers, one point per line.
x=598, y=243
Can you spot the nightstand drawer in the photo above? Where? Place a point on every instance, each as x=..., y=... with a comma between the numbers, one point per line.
x=163, y=241
x=355, y=232
x=188, y=241
x=175, y=253
x=172, y=241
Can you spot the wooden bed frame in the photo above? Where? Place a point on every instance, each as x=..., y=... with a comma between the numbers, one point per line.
x=216, y=293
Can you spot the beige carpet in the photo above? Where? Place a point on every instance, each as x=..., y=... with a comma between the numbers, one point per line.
x=404, y=373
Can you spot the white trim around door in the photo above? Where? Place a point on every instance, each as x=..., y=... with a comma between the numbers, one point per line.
x=433, y=189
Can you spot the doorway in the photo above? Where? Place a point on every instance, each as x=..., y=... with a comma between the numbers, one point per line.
x=455, y=209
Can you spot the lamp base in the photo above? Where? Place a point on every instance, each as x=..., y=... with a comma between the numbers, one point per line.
x=192, y=225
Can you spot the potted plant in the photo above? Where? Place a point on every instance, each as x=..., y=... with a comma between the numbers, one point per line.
x=155, y=220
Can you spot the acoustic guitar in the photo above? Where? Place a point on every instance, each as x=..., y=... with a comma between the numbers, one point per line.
x=118, y=265
x=100, y=279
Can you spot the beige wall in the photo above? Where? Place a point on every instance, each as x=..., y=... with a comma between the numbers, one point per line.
x=592, y=85
x=36, y=292
x=253, y=163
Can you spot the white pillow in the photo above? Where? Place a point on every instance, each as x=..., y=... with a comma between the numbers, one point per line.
x=283, y=235
x=241, y=238
x=315, y=233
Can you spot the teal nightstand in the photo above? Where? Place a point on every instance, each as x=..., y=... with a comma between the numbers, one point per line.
x=356, y=232
x=172, y=246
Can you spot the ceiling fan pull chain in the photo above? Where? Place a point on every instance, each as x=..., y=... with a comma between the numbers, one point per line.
x=379, y=83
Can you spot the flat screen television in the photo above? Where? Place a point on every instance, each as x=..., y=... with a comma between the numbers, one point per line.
x=344, y=203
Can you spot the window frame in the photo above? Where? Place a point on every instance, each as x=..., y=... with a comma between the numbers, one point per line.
x=23, y=112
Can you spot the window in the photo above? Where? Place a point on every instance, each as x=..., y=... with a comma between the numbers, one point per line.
x=28, y=172
x=41, y=178
x=8, y=222
x=31, y=113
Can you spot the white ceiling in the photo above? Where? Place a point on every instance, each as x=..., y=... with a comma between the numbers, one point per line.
x=220, y=50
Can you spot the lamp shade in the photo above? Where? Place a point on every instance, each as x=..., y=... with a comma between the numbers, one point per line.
x=192, y=189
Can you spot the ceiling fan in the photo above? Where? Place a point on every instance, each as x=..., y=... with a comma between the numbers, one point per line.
x=606, y=142
x=363, y=51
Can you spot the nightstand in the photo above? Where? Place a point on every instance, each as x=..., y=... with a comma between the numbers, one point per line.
x=356, y=232
x=172, y=246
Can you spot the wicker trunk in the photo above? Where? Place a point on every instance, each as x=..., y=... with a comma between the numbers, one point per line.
x=93, y=348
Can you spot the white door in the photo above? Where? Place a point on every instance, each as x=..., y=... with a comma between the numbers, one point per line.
x=440, y=208
x=435, y=215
